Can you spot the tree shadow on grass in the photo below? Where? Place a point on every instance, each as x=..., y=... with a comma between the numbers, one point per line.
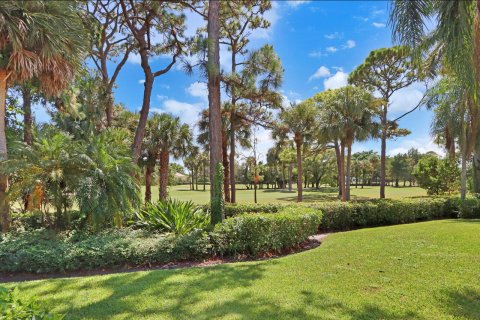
x=464, y=303
x=227, y=291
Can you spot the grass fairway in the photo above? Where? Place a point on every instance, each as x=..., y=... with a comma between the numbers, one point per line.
x=426, y=270
x=182, y=192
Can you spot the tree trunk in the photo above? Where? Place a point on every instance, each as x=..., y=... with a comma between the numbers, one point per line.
x=109, y=108
x=204, y=177
x=349, y=163
x=214, y=106
x=342, y=171
x=27, y=116
x=383, y=155
x=233, y=128
x=290, y=173
x=226, y=167
x=147, y=93
x=476, y=170
x=463, y=177
x=148, y=183
x=163, y=181
x=339, y=168
x=298, y=143
x=4, y=205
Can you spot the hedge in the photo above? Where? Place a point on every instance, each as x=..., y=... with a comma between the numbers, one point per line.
x=341, y=216
x=253, y=234
x=43, y=251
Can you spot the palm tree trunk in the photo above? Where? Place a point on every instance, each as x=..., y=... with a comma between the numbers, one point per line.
x=290, y=173
x=463, y=175
x=148, y=183
x=298, y=143
x=339, y=168
x=4, y=205
x=204, y=177
x=163, y=183
x=349, y=162
x=342, y=171
x=214, y=106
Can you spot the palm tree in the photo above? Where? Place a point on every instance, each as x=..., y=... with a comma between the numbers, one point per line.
x=38, y=39
x=299, y=120
x=170, y=138
x=347, y=113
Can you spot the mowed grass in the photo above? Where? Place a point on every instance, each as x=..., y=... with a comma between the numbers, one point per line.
x=427, y=270
x=183, y=192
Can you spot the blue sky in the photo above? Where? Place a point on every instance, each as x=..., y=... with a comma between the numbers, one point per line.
x=319, y=43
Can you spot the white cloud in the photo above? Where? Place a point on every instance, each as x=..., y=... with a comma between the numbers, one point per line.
x=321, y=72
x=332, y=49
x=188, y=112
x=296, y=3
x=161, y=97
x=134, y=58
x=423, y=144
x=316, y=54
x=405, y=99
x=338, y=80
x=377, y=12
x=350, y=44
x=335, y=35
x=141, y=81
x=198, y=89
x=379, y=25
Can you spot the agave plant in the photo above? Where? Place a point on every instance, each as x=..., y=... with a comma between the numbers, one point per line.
x=172, y=216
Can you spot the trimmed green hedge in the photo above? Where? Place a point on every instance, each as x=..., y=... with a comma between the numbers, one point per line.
x=340, y=216
x=252, y=234
x=43, y=251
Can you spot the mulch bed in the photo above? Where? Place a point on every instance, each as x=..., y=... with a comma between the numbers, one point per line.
x=311, y=243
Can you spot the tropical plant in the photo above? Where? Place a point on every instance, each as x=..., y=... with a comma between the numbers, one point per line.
x=167, y=137
x=172, y=216
x=299, y=120
x=39, y=39
x=106, y=190
x=347, y=114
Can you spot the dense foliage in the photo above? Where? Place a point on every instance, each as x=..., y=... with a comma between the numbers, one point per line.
x=12, y=307
x=172, y=216
x=438, y=176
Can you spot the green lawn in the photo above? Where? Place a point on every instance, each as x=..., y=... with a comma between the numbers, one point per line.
x=183, y=192
x=426, y=270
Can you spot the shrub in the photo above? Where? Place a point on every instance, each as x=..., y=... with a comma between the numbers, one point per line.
x=173, y=216
x=12, y=307
x=346, y=216
x=44, y=251
x=466, y=209
x=438, y=176
x=256, y=233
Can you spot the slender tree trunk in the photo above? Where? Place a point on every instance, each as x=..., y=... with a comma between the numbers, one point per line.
x=4, y=204
x=298, y=143
x=339, y=168
x=204, y=177
x=463, y=176
x=148, y=183
x=383, y=155
x=163, y=180
x=27, y=116
x=290, y=173
x=476, y=170
x=147, y=94
x=214, y=105
x=226, y=167
x=342, y=172
x=109, y=107
x=349, y=163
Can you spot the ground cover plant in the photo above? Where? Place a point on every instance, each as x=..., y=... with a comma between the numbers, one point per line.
x=426, y=270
